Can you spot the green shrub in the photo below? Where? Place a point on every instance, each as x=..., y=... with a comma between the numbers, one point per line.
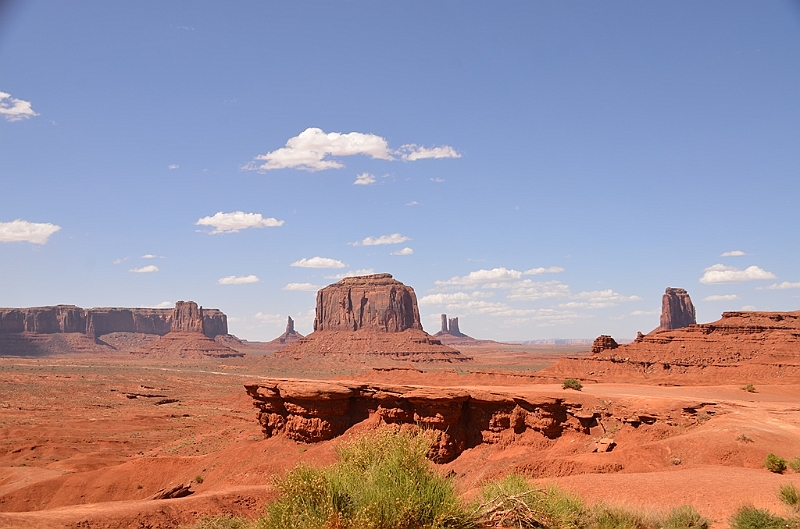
x=223, y=521
x=774, y=463
x=513, y=502
x=198, y=479
x=684, y=517
x=749, y=388
x=794, y=464
x=749, y=517
x=572, y=383
x=790, y=496
x=381, y=481
x=605, y=517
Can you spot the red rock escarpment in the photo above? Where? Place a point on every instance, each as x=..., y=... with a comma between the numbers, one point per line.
x=740, y=347
x=99, y=321
x=604, y=342
x=677, y=310
x=314, y=411
x=375, y=302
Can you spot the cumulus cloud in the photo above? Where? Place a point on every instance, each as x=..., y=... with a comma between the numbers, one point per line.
x=721, y=297
x=24, y=231
x=395, y=238
x=599, y=299
x=404, y=251
x=720, y=273
x=732, y=253
x=313, y=149
x=492, y=278
x=645, y=312
x=173, y=166
x=413, y=203
x=301, y=287
x=527, y=290
x=270, y=318
x=454, y=298
x=318, y=262
x=437, y=179
x=151, y=256
x=121, y=260
x=14, y=109
x=364, y=179
x=149, y=269
x=164, y=305
x=238, y=280
x=412, y=152
x=353, y=273
x=782, y=286
x=237, y=221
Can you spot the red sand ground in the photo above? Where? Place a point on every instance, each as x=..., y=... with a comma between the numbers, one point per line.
x=76, y=450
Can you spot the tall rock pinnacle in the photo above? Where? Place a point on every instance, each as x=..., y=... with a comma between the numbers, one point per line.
x=677, y=310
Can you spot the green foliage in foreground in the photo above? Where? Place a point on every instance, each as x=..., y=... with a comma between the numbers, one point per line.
x=790, y=496
x=572, y=383
x=223, y=521
x=775, y=464
x=749, y=517
x=794, y=464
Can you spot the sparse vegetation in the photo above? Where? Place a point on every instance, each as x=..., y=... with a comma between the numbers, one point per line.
x=775, y=463
x=744, y=438
x=572, y=383
x=198, y=479
x=748, y=388
x=748, y=517
x=224, y=521
x=790, y=496
x=794, y=464
x=684, y=517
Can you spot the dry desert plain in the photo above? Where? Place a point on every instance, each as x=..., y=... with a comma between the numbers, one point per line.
x=87, y=440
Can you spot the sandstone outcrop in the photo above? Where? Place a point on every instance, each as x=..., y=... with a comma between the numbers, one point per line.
x=187, y=338
x=99, y=321
x=740, y=347
x=369, y=316
x=375, y=302
x=289, y=336
x=677, y=310
x=603, y=343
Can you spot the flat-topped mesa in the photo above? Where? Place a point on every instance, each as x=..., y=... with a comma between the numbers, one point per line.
x=677, y=310
x=375, y=302
x=187, y=317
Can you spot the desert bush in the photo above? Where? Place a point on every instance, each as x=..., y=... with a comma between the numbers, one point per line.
x=684, y=517
x=794, y=464
x=223, y=521
x=789, y=495
x=381, y=481
x=744, y=438
x=748, y=388
x=605, y=517
x=513, y=502
x=749, y=517
x=572, y=383
x=775, y=464
x=198, y=479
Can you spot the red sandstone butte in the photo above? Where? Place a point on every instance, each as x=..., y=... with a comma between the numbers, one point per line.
x=677, y=310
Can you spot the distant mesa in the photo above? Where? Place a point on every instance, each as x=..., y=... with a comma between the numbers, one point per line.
x=677, y=310
x=290, y=336
x=372, y=316
x=187, y=338
x=450, y=334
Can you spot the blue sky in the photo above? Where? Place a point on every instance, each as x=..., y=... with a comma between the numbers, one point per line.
x=539, y=169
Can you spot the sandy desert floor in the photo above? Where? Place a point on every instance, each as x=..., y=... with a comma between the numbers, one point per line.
x=85, y=442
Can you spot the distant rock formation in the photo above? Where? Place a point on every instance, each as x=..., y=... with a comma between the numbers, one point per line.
x=677, y=310
x=375, y=302
x=370, y=316
x=187, y=338
x=603, y=343
x=290, y=336
x=99, y=321
x=741, y=347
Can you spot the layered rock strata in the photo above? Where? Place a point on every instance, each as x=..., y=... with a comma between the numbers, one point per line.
x=740, y=347
x=313, y=411
x=99, y=321
x=369, y=316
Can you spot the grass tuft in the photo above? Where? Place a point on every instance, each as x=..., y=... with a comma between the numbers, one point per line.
x=223, y=521
x=684, y=517
x=789, y=495
x=572, y=383
x=775, y=464
x=794, y=464
x=748, y=388
x=748, y=517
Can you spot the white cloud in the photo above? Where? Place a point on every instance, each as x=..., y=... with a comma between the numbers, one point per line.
x=720, y=273
x=782, y=286
x=721, y=297
x=542, y=270
x=302, y=287
x=749, y=307
x=364, y=179
x=599, y=299
x=411, y=152
x=527, y=290
x=24, y=231
x=309, y=150
x=413, y=203
x=14, y=109
x=270, y=318
x=149, y=269
x=353, y=273
x=495, y=276
x=120, y=261
x=437, y=180
x=645, y=312
x=404, y=251
x=173, y=166
x=164, y=305
x=318, y=262
x=238, y=280
x=733, y=253
x=453, y=299
x=151, y=256
x=394, y=238
x=237, y=221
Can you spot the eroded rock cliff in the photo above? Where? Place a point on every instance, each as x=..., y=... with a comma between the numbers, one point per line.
x=677, y=310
